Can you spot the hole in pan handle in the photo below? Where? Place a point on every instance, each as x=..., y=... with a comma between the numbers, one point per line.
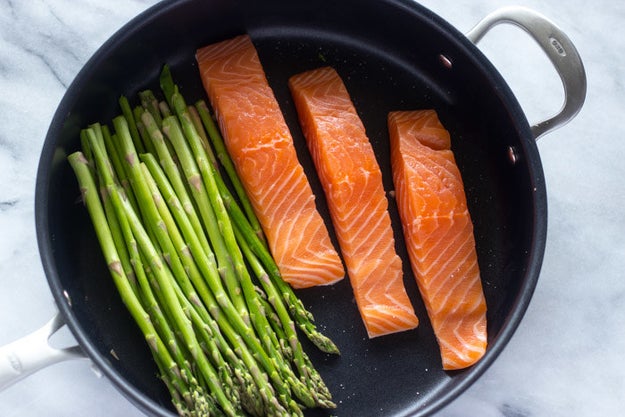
x=32, y=352
x=558, y=47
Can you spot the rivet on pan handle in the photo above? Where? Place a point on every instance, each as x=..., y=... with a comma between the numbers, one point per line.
x=32, y=353
x=560, y=50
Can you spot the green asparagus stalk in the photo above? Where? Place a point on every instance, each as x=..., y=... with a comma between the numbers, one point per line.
x=164, y=108
x=137, y=111
x=253, y=236
x=195, y=249
x=257, y=315
x=197, y=124
x=107, y=244
x=193, y=272
x=117, y=164
x=127, y=112
x=169, y=196
x=309, y=374
x=150, y=103
x=233, y=302
x=172, y=129
x=125, y=239
x=211, y=180
x=232, y=370
x=186, y=247
x=164, y=275
x=106, y=173
x=174, y=177
x=211, y=224
x=226, y=162
x=86, y=150
x=213, y=276
x=119, y=240
x=166, y=281
x=181, y=367
x=167, y=84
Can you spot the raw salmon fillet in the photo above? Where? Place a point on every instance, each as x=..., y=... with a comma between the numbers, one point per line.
x=439, y=234
x=352, y=183
x=261, y=146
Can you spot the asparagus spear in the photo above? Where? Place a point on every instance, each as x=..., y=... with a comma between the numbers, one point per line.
x=181, y=367
x=205, y=294
x=165, y=275
x=165, y=279
x=150, y=103
x=164, y=108
x=219, y=229
x=193, y=272
x=192, y=233
x=197, y=123
x=127, y=112
x=103, y=232
x=211, y=273
x=188, y=231
x=118, y=166
x=315, y=383
x=233, y=302
x=241, y=342
x=212, y=226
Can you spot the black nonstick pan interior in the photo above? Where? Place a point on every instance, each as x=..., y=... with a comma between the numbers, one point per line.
x=389, y=56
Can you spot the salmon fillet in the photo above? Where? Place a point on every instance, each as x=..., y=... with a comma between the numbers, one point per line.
x=352, y=182
x=439, y=234
x=261, y=146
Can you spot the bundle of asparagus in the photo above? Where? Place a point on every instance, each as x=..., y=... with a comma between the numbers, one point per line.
x=190, y=263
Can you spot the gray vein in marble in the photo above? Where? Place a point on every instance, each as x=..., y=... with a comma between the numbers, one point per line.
x=47, y=63
x=70, y=34
x=509, y=410
x=6, y=145
x=52, y=45
x=11, y=8
x=8, y=204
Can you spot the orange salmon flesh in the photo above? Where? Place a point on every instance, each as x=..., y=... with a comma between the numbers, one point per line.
x=439, y=234
x=352, y=182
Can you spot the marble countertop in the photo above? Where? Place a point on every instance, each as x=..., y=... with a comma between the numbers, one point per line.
x=566, y=358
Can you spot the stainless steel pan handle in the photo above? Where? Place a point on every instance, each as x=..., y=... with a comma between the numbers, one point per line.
x=560, y=50
x=31, y=353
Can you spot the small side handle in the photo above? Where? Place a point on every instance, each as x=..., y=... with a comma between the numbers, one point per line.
x=560, y=50
x=31, y=353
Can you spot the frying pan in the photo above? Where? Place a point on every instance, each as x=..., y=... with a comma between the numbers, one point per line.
x=392, y=55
